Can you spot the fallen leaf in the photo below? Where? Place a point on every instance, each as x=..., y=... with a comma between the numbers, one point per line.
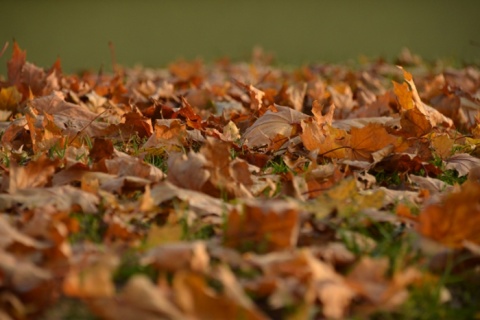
x=455, y=219
x=178, y=256
x=262, y=132
x=64, y=198
x=262, y=227
x=370, y=139
x=463, y=163
x=34, y=175
x=198, y=300
x=93, y=280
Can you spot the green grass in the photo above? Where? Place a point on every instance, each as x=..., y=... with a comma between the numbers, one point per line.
x=92, y=227
x=158, y=161
x=130, y=266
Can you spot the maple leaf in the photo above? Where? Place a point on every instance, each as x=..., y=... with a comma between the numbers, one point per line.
x=170, y=133
x=317, y=112
x=455, y=219
x=417, y=118
x=326, y=140
x=256, y=95
x=369, y=139
x=15, y=65
x=267, y=226
x=271, y=124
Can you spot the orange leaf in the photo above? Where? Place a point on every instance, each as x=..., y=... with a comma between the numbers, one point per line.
x=455, y=219
x=263, y=227
x=369, y=139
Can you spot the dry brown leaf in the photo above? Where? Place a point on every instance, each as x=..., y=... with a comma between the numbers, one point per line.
x=35, y=174
x=199, y=202
x=11, y=235
x=263, y=227
x=64, y=198
x=22, y=276
x=198, y=300
x=431, y=184
x=369, y=139
x=369, y=279
x=317, y=112
x=177, y=256
x=167, y=133
x=139, y=299
x=417, y=118
x=92, y=280
x=463, y=163
x=262, y=132
x=124, y=165
x=188, y=170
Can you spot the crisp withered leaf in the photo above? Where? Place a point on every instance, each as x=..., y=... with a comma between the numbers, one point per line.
x=369, y=279
x=139, y=299
x=71, y=118
x=168, y=133
x=11, y=235
x=178, y=256
x=296, y=94
x=63, y=198
x=87, y=208
x=135, y=123
x=256, y=95
x=455, y=219
x=15, y=64
x=93, y=279
x=21, y=275
x=122, y=165
x=188, y=170
x=35, y=174
x=431, y=184
x=442, y=145
x=319, y=117
x=272, y=123
x=264, y=227
x=369, y=139
x=202, y=203
x=417, y=118
x=313, y=278
x=198, y=300
x=327, y=140
x=463, y=163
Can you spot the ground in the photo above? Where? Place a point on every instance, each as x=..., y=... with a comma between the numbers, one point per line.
x=240, y=190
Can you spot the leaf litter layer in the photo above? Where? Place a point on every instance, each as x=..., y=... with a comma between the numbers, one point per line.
x=240, y=190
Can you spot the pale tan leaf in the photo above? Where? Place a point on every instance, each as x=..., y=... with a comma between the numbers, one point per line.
x=462, y=163
x=263, y=131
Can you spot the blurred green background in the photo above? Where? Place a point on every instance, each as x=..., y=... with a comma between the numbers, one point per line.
x=155, y=32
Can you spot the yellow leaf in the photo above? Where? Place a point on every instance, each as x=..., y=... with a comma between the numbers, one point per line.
x=9, y=98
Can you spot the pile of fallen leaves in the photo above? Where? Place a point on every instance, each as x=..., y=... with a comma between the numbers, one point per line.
x=240, y=191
